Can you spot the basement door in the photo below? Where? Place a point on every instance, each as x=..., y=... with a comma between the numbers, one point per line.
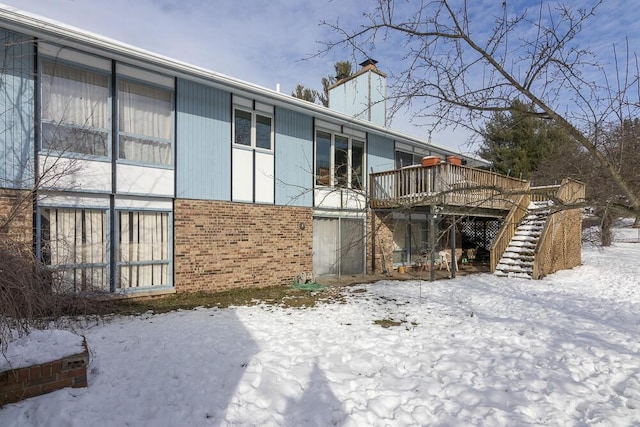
x=338, y=246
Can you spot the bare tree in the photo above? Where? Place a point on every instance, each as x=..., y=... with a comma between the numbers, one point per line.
x=460, y=65
x=33, y=295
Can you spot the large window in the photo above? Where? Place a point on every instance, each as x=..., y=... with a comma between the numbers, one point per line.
x=143, y=249
x=75, y=110
x=339, y=161
x=74, y=244
x=145, y=123
x=252, y=129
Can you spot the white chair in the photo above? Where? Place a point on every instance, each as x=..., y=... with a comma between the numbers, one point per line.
x=444, y=259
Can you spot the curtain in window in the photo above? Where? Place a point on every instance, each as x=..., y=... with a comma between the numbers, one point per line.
x=76, y=246
x=75, y=113
x=75, y=96
x=143, y=250
x=145, y=119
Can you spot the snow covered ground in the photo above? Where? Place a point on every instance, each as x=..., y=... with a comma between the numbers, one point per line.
x=477, y=350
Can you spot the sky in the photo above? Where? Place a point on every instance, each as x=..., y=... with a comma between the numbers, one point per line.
x=275, y=42
x=478, y=350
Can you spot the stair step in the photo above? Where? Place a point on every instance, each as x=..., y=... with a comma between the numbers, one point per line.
x=525, y=256
x=524, y=238
x=517, y=244
x=529, y=228
x=514, y=269
x=520, y=253
x=517, y=259
x=513, y=274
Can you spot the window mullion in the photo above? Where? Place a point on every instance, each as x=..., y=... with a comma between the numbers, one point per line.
x=253, y=129
x=349, y=162
x=332, y=162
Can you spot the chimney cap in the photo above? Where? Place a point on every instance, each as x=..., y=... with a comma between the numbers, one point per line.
x=369, y=61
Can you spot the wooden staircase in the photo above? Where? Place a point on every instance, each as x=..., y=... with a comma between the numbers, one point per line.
x=518, y=258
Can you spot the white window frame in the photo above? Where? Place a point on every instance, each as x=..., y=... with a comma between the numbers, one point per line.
x=253, y=137
x=332, y=166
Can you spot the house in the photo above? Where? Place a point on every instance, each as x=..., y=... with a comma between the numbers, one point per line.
x=144, y=174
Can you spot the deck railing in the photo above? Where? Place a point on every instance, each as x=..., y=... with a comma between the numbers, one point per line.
x=508, y=230
x=546, y=260
x=444, y=184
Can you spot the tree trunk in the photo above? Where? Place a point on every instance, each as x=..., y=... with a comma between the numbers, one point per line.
x=606, y=225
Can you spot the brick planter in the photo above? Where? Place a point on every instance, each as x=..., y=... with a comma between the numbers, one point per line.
x=23, y=383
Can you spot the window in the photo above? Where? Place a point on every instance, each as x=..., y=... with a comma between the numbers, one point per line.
x=75, y=110
x=252, y=129
x=145, y=123
x=323, y=158
x=143, y=249
x=74, y=244
x=404, y=159
x=357, y=165
x=412, y=156
x=339, y=161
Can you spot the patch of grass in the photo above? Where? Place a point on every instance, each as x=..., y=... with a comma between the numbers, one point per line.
x=282, y=296
x=387, y=323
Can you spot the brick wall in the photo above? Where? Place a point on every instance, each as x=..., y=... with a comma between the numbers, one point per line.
x=23, y=383
x=225, y=245
x=16, y=203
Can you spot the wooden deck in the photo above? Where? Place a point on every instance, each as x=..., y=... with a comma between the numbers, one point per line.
x=444, y=184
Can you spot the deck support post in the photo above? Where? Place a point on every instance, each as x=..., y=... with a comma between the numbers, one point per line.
x=453, y=246
x=432, y=243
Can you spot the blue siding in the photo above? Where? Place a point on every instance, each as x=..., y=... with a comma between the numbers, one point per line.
x=294, y=158
x=380, y=154
x=203, y=143
x=16, y=111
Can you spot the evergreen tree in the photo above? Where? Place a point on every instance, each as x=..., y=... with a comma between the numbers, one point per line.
x=307, y=94
x=518, y=142
x=342, y=70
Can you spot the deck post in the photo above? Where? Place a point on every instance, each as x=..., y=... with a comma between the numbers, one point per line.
x=453, y=246
x=432, y=243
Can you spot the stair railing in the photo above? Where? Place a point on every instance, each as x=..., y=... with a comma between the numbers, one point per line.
x=543, y=248
x=508, y=229
x=569, y=191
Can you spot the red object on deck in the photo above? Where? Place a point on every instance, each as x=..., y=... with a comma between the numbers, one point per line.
x=430, y=160
x=454, y=160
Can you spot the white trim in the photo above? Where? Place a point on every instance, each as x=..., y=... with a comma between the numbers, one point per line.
x=123, y=70
x=242, y=102
x=71, y=55
x=74, y=201
x=354, y=133
x=331, y=127
x=133, y=203
x=264, y=108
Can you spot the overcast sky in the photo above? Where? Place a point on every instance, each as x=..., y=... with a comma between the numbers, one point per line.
x=266, y=42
